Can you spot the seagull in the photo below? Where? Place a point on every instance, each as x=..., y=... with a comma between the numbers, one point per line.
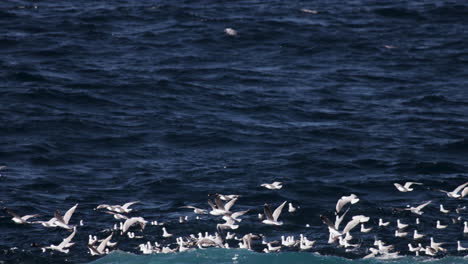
x=406, y=187
x=228, y=197
x=334, y=233
x=118, y=208
x=344, y=200
x=305, y=244
x=230, y=32
x=58, y=220
x=357, y=219
x=20, y=219
x=365, y=230
x=134, y=220
x=382, y=223
x=414, y=249
x=400, y=225
x=443, y=210
x=101, y=249
x=230, y=236
x=440, y=226
x=464, y=192
x=195, y=209
x=165, y=233
x=339, y=219
x=234, y=216
x=455, y=193
x=310, y=11
x=465, y=227
x=64, y=245
x=460, y=209
x=417, y=210
x=272, y=219
x=436, y=246
x=416, y=235
x=63, y=221
x=291, y=208
x=273, y=186
x=400, y=234
x=117, y=215
x=219, y=208
x=273, y=248
x=459, y=246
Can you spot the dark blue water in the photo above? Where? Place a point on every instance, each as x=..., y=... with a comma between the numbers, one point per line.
x=115, y=101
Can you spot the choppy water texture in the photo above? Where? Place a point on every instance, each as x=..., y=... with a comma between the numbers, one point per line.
x=113, y=101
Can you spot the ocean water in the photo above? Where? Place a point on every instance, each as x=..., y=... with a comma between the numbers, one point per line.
x=234, y=256
x=117, y=101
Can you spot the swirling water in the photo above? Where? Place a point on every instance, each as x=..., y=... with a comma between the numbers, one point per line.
x=114, y=101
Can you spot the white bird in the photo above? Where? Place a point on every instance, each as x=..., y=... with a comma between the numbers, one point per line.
x=165, y=233
x=436, y=246
x=344, y=243
x=63, y=221
x=464, y=192
x=344, y=200
x=235, y=216
x=101, y=249
x=365, y=230
x=417, y=209
x=440, y=226
x=400, y=234
x=230, y=32
x=414, y=249
x=229, y=224
x=20, y=219
x=445, y=211
x=429, y=251
x=310, y=11
x=416, y=235
x=382, y=223
x=417, y=221
x=134, y=220
x=117, y=215
x=228, y=197
x=455, y=193
x=92, y=240
x=334, y=234
x=400, y=225
x=273, y=248
x=220, y=208
x=406, y=187
x=230, y=236
x=273, y=186
x=118, y=208
x=357, y=219
x=348, y=236
x=291, y=208
x=64, y=245
x=460, y=209
x=288, y=242
x=304, y=243
x=459, y=246
x=339, y=219
x=272, y=219
x=465, y=227
x=373, y=254
x=195, y=209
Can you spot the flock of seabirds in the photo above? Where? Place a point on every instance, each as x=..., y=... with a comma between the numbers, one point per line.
x=225, y=237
